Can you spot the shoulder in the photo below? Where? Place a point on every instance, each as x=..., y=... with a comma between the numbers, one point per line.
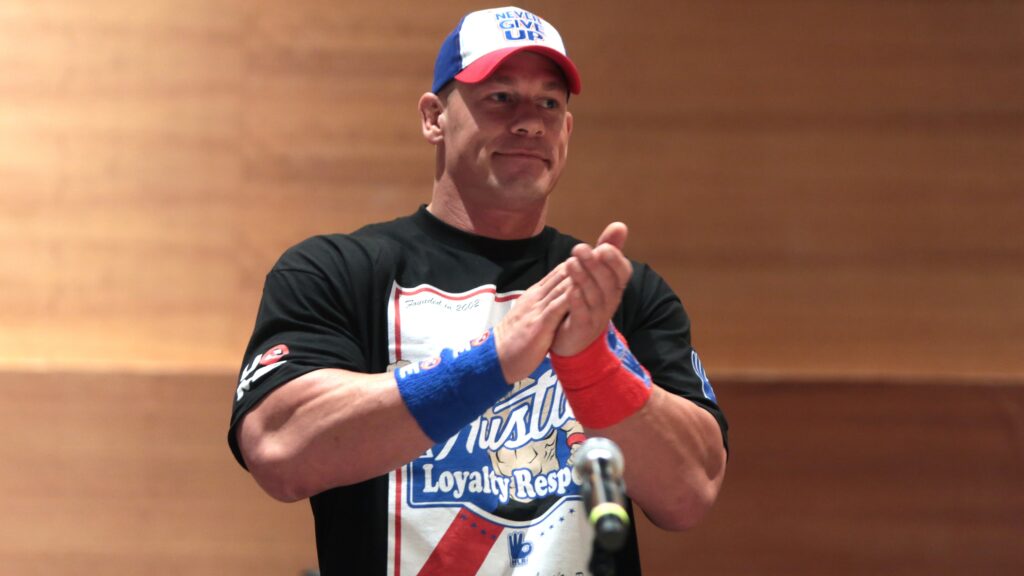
x=649, y=299
x=647, y=283
x=370, y=246
x=646, y=279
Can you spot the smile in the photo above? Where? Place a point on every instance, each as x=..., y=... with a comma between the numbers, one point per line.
x=522, y=155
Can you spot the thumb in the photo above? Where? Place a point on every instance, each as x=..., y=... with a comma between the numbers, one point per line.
x=614, y=234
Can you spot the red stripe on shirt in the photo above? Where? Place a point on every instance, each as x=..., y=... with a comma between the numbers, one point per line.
x=463, y=547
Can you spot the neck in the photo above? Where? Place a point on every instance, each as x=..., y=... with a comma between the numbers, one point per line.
x=501, y=222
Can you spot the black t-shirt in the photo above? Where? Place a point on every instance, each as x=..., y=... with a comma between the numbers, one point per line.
x=498, y=495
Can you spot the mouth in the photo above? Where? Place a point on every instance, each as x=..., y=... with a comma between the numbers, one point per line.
x=524, y=155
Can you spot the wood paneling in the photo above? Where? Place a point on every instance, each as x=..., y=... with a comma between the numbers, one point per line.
x=123, y=474
x=862, y=478
x=131, y=474
x=833, y=186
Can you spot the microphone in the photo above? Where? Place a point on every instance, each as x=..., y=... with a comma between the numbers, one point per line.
x=599, y=464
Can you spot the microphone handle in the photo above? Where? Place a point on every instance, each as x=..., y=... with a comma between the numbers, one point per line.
x=609, y=516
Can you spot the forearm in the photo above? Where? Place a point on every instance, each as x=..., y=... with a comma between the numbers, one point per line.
x=328, y=428
x=675, y=459
x=334, y=427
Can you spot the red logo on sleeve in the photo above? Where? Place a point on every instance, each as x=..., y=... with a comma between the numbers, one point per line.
x=273, y=355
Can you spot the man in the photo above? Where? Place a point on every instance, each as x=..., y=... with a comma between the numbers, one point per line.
x=426, y=381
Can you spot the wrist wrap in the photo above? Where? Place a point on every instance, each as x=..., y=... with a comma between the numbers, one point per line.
x=447, y=392
x=604, y=383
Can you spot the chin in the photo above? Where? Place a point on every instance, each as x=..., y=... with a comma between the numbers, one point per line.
x=523, y=191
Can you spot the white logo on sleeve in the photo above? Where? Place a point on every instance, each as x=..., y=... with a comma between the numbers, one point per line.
x=260, y=366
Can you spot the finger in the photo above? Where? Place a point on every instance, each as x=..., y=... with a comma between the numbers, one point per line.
x=614, y=234
x=581, y=250
x=553, y=277
x=584, y=283
x=555, y=313
x=543, y=288
x=556, y=290
x=588, y=258
x=557, y=310
x=552, y=308
x=585, y=270
x=602, y=268
x=579, y=308
x=617, y=263
x=580, y=316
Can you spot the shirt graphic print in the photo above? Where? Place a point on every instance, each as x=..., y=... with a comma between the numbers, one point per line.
x=499, y=497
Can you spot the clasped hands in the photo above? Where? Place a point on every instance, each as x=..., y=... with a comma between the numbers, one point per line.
x=567, y=309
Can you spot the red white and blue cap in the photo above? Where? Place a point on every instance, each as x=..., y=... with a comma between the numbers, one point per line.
x=484, y=39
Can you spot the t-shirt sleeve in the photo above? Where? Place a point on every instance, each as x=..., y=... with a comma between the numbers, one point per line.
x=305, y=322
x=657, y=328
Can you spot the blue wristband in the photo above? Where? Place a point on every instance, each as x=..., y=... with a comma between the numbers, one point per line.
x=445, y=393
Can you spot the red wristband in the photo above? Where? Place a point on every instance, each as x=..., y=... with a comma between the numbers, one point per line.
x=575, y=438
x=604, y=383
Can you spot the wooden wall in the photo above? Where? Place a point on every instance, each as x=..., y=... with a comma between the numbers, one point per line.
x=866, y=477
x=129, y=474
x=835, y=188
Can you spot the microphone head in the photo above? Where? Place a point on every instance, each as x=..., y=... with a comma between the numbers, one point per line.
x=594, y=450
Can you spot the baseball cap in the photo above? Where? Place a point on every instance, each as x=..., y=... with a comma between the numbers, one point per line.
x=484, y=39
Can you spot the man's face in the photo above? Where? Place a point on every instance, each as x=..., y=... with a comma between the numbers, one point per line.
x=506, y=138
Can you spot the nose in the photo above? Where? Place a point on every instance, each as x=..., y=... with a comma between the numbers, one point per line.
x=527, y=120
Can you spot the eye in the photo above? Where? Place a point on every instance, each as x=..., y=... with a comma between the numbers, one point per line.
x=501, y=97
x=551, y=103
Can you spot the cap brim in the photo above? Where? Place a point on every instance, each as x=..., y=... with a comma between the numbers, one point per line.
x=483, y=67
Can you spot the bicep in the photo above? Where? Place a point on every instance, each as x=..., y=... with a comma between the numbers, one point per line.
x=328, y=428
x=282, y=407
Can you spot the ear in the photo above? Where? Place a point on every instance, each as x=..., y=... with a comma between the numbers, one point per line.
x=431, y=109
x=568, y=123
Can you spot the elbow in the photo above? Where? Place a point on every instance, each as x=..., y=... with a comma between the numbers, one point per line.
x=691, y=502
x=687, y=512
x=276, y=471
x=280, y=486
